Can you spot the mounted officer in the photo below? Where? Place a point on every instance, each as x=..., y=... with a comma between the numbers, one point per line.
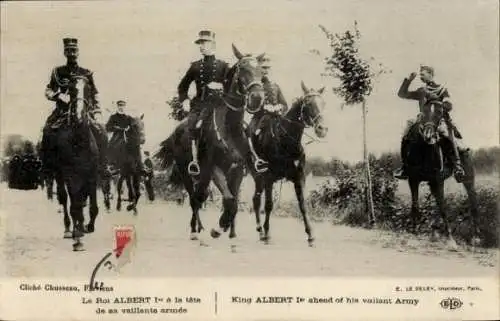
x=118, y=123
x=208, y=73
x=426, y=95
x=57, y=90
x=274, y=104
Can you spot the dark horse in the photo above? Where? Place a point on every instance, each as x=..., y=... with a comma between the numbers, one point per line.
x=280, y=145
x=126, y=155
x=222, y=147
x=76, y=162
x=427, y=164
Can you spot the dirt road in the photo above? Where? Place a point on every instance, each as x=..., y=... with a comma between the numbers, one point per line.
x=34, y=246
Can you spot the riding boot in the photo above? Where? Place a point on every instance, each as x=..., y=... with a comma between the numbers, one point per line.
x=401, y=173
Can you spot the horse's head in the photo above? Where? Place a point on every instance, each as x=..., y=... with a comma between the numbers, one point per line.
x=138, y=129
x=80, y=101
x=428, y=122
x=311, y=106
x=247, y=80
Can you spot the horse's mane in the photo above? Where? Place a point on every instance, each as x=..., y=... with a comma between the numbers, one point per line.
x=229, y=77
x=296, y=103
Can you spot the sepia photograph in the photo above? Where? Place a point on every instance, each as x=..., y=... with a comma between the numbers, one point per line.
x=248, y=141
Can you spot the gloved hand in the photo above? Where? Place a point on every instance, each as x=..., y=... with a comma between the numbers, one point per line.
x=64, y=98
x=215, y=86
x=186, y=105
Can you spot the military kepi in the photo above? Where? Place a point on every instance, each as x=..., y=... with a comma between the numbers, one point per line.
x=70, y=43
x=205, y=35
x=264, y=61
x=121, y=103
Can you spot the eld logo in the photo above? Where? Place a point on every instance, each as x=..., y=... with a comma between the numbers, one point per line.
x=451, y=303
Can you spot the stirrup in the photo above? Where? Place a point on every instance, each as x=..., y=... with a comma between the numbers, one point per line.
x=193, y=168
x=260, y=166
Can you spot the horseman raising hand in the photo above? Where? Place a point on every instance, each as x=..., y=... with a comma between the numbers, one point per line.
x=427, y=95
x=208, y=73
x=58, y=91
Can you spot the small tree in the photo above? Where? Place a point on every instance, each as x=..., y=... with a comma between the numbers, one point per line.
x=356, y=84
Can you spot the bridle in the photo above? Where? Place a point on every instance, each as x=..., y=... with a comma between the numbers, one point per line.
x=309, y=122
x=428, y=123
x=79, y=104
x=235, y=81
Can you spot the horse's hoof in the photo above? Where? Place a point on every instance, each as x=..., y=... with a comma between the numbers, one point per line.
x=476, y=241
x=451, y=245
x=265, y=238
x=68, y=235
x=193, y=236
x=130, y=207
x=310, y=241
x=118, y=208
x=434, y=237
x=78, y=247
x=215, y=234
x=90, y=228
x=78, y=234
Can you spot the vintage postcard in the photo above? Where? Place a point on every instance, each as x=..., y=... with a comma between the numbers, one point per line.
x=249, y=160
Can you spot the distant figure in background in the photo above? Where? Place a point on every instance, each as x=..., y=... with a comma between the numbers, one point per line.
x=148, y=176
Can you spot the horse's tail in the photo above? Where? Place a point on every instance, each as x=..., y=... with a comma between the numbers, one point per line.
x=166, y=153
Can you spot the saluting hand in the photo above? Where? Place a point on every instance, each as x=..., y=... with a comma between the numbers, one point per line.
x=412, y=76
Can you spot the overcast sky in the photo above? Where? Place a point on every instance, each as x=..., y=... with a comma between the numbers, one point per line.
x=139, y=52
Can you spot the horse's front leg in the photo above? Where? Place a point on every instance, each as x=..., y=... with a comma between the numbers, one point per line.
x=119, y=186
x=257, y=198
x=437, y=189
x=93, y=207
x=229, y=203
x=135, y=181
x=299, y=193
x=472, y=195
x=268, y=207
x=62, y=199
x=415, y=211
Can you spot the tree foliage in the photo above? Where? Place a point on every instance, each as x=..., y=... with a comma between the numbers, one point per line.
x=345, y=63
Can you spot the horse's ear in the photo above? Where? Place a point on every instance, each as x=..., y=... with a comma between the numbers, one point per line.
x=236, y=52
x=142, y=117
x=304, y=88
x=321, y=90
x=259, y=57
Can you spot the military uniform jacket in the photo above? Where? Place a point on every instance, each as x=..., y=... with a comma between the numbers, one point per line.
x=273, y=95
x=422, y=94
x=59, y=83
x=118, y=120
x=202, y=72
